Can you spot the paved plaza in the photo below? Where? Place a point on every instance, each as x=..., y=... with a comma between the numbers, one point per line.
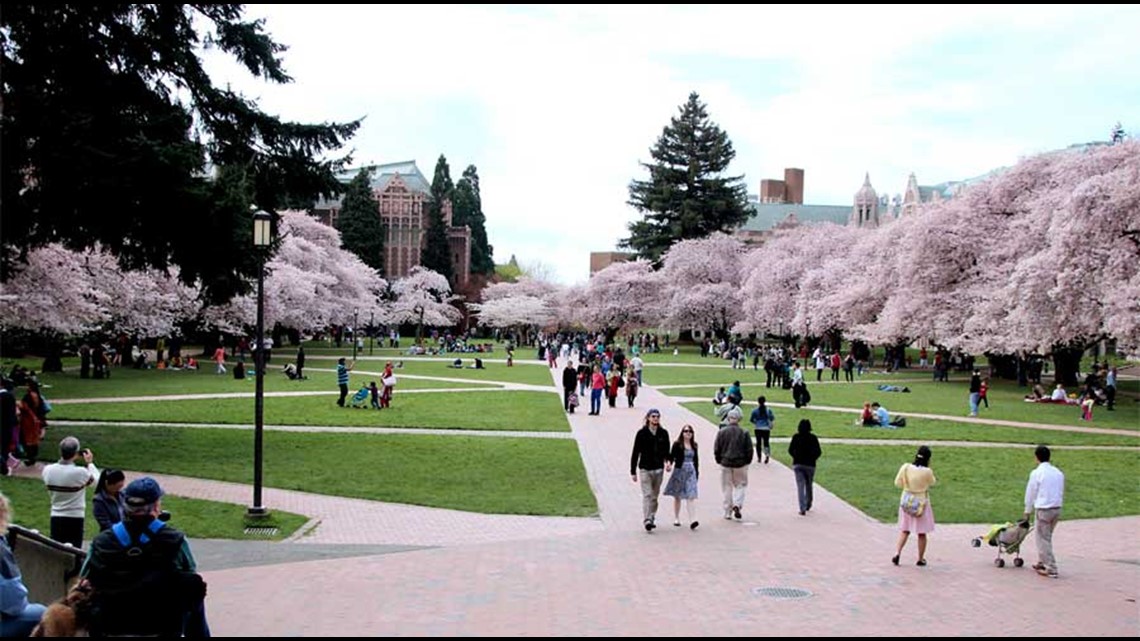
x=365, y=568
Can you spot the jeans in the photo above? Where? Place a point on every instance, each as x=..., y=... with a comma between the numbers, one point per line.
x=805, y=474
x=596, y=401
x=762, y=441
x=974, y=396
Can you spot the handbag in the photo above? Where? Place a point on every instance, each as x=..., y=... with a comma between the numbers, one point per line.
x=912, y=504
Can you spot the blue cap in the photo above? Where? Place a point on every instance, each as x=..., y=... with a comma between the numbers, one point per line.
x=142, y=492
x=653, y=410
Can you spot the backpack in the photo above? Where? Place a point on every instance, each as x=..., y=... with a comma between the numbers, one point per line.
x=140, y=591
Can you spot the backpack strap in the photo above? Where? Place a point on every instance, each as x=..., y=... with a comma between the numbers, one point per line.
x=124, y=537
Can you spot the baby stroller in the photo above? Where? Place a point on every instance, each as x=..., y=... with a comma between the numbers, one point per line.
x=1007, y=538
x=360, y=398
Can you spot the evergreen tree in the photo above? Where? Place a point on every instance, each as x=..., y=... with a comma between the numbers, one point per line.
x=110, y=123
x=686, y=195
x=361, y=230
x=437, y=251
x=467, y=209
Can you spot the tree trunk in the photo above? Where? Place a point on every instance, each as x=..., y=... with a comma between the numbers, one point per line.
x=1066, y=363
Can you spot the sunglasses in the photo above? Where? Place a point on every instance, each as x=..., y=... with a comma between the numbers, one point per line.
x=654, y=416
x=686, y=431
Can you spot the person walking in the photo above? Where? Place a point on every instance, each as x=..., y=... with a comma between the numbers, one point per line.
x=300, y=362
x=682, y=485
x=915, y=479
x=569, y=381
x=220, y=359
x=67, y=483
x=597, y=385
x=975, y=392
x=805, y=451
x=342, y=371
x=733, y=452
x=762, y=420
x=1044, y=495
x=631, y=385
x=109, y=504
x=651, y=458
x=388, y=380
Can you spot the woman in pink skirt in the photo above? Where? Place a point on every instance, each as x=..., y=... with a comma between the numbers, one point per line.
x=916, y=479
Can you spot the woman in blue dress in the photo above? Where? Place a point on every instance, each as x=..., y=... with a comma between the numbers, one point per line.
x=682, y=485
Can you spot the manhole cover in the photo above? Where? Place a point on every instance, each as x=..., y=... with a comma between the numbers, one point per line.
x=261, y=531
x=782, y=593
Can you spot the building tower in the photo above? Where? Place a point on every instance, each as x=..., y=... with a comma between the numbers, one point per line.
x=865, y=213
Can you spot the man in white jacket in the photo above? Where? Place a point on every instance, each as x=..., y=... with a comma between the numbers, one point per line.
x=67, y=483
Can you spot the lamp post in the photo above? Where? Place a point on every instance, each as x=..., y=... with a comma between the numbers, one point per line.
x=355, y=332
x=371, y=331
x=262, y=237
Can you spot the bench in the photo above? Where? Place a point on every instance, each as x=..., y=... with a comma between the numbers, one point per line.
x=46, y=566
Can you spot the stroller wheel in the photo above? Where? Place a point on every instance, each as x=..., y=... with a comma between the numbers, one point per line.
x=1018, y=562
x=976, y=543
x=999, y=562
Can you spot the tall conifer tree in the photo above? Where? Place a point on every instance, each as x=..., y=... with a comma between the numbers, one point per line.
x=437, y=252
x=687, y=194
x=361, y=230
x=468, y=210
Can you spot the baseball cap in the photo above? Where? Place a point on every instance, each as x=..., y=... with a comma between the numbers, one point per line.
x=140, y=493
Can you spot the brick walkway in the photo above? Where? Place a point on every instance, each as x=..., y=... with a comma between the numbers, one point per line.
x=510, y=576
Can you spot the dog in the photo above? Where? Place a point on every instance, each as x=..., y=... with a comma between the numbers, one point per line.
x=69, y=616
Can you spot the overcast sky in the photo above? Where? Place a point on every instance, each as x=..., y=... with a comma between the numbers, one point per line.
x=556, y=106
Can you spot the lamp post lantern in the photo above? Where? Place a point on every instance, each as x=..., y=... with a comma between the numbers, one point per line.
x=262, y=238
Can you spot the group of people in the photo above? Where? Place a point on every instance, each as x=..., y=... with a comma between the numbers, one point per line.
x=139, y=570
x=654, y=456
x=1044, y=498
x=381, y=396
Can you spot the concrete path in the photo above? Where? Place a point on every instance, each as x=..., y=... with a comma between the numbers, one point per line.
x=527, y=576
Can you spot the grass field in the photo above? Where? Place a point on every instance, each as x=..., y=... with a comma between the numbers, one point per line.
x=500, y=410
x=977, y=485
x=949, y=399
x=477, y=474
x=841, y=425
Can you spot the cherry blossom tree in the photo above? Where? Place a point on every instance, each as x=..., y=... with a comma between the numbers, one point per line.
x=423, y=297
x=773, y=279
x=311, y=282
x=623, y=295
x=53, y=292
x=701, y=283
x=524, y=286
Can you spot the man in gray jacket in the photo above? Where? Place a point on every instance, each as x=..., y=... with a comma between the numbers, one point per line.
x=733, y=452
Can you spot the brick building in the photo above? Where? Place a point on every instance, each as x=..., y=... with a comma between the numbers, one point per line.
x=403, y=193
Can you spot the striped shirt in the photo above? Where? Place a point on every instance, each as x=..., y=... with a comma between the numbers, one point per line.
x=341, y=374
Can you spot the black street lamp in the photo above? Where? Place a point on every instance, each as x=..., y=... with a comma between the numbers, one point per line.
x=371, y=331
x=262, y=238
x=355, y=332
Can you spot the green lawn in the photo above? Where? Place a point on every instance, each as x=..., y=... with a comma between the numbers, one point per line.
x=948, y=399
x=978, y=485
x=827, y=424
x=531, y=373
x=499, y=410
x=197, y=518
x=477, y=474
x=716, y=373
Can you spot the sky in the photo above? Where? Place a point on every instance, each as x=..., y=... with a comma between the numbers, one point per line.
x=557, y=106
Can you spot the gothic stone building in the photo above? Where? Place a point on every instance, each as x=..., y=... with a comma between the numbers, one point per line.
x=780, y=204
x=403, y=194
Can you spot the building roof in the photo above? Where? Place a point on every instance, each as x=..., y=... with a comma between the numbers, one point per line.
x=766, y=215
x=382, y=175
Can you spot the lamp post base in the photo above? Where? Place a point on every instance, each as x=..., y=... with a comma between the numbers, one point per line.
x=257, y=513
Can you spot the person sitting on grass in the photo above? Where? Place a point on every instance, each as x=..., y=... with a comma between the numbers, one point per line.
x=457, y=363
x=867, y=418
x=720, y=397
x=884, y=418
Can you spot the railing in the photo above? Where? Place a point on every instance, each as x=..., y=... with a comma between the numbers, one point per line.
x=47, y=566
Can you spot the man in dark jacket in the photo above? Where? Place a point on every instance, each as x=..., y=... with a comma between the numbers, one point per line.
x=651, y=457
x=143, y=575
x=7, y=422
x=805, y=451
x=569, y=382
x=733, y=452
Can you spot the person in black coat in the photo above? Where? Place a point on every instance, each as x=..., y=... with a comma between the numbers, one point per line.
x=569, y=382
x=805, y=451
